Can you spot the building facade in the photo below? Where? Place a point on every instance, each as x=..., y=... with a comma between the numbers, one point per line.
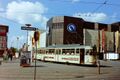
x=72, y=30
x=61, y=33
x=3, y=38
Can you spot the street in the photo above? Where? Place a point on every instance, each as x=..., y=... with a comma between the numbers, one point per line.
x=12, y=70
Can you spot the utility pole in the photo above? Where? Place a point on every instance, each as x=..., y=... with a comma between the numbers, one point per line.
x=98, y=61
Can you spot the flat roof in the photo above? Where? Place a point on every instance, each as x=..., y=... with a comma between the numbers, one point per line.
x=67, y=47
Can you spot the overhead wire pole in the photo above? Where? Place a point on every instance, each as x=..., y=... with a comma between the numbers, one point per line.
x=98, y=61
x=105, y=2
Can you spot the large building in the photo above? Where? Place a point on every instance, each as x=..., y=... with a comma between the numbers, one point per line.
x=3, y=38
x=72, y=30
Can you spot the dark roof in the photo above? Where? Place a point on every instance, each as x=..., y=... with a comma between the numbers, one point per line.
x=4, y=26
x=116, y=23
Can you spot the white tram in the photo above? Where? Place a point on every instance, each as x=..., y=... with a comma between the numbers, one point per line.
x=76, y=54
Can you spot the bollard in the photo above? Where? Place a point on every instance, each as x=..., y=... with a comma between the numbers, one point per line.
x=98, y=64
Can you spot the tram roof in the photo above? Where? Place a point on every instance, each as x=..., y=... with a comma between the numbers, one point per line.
x=67, y=47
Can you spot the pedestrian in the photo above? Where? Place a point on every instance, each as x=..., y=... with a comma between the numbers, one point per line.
x=5, y=56
x=11, y=55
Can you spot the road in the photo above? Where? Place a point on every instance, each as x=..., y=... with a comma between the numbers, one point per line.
x=12, y=70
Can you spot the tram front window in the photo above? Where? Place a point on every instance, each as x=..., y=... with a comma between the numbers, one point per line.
x=77, y=51
x=89, y=52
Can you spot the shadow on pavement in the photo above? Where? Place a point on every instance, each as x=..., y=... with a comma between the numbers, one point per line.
x=85, y=65
x=81, y=65
x=35, y=66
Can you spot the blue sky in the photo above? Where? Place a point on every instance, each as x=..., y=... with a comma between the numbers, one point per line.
x=16, y=13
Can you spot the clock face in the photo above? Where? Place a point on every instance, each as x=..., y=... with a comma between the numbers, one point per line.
x=71, y=27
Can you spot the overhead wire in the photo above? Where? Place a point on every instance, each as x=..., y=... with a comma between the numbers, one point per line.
x=90, y=2
x=84, y=2
x=104, y=3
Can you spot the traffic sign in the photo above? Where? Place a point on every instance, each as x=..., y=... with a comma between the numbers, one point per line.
x=29, y=28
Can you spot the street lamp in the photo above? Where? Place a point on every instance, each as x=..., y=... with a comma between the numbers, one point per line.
x=27, y=25
x=17, y=43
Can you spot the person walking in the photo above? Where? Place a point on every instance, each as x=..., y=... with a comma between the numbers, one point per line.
x=5, y=56
x=11, y=55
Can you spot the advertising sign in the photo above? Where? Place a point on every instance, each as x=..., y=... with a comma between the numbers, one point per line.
x=71, y=27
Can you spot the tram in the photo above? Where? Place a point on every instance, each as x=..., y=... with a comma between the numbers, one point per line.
x=75, y=54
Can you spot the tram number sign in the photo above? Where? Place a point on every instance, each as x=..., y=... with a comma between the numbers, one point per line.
x=29, y=28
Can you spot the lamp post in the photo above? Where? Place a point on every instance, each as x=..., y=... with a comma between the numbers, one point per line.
x=18, y=43
x=27, y=25
x=36, y=37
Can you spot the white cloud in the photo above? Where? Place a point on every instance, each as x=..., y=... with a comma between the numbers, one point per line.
x=95, y=17
x=27, y=12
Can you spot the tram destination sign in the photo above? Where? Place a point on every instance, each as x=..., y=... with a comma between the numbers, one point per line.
x=29, y=28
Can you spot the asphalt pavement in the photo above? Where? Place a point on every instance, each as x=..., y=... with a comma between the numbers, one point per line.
x=11, y=70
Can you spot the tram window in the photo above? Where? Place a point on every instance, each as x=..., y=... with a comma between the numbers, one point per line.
x=42, y=51
x=58, y=51
x=88, y=52
x=68, y=51
x=46, y=52
x=51, y=51
x=91, y=52
x=63, y=51
x=77, y=51
x=38, y=51
x=72, y=51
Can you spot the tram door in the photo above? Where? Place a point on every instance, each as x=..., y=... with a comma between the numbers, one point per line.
x=58, y=52
x=82, y=56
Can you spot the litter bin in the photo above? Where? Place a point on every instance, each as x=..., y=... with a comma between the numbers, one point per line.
x=24, y=61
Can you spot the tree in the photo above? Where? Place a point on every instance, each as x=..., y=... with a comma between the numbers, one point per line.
x=14, y=50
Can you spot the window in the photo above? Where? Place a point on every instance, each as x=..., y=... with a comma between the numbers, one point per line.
x=51, y=51
x=57, y=26
x=0, y=38
x=0, y=45
x=2, y=30
x=4, y=38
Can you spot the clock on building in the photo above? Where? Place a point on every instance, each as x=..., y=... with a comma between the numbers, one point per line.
x=71, y=27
